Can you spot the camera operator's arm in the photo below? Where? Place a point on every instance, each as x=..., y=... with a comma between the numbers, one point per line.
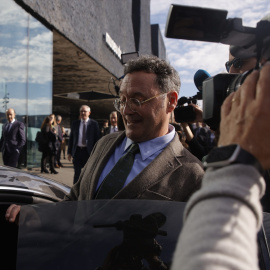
x=223, y=217
x=188, y=132
x=195, y=147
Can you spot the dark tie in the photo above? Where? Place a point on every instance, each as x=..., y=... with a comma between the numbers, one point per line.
x=9, y=127
x=116, y=178
x=84, y=133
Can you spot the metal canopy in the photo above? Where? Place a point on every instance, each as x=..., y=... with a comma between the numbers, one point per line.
x=78, y=80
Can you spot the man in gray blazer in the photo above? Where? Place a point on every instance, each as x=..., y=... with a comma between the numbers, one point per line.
x=12, y=139
x=163, y=168
x=83, y=136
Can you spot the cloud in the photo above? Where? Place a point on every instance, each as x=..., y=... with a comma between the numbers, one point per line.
x=16, y=48
x=13, y=14
x=14, y=60
x=234, y=7
x=34, y=106
x=42, y=40
x=199, y=55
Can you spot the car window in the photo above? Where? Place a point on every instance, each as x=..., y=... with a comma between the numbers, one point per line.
x=91, y=234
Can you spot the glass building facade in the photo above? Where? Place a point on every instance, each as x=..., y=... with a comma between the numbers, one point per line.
x=26, y=49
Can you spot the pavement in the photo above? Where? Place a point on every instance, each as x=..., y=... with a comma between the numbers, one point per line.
x=65, y=174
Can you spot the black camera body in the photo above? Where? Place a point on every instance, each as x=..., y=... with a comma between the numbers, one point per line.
x=211, y=25
x=186, y=113
x=215, y=91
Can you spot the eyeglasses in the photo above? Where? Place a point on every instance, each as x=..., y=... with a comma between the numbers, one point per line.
x=84, y=111
x=133, y=103
x=236, y=62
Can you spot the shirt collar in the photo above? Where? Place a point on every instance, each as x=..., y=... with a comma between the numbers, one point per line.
x=12, y=121
x=150, y=147
x=85, y=120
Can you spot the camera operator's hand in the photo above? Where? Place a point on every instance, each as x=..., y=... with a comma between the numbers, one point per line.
x=245, y=115
x=198, y=112
x=199, y=118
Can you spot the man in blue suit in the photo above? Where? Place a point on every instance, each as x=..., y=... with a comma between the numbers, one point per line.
x=83, y=136
x=12, y=140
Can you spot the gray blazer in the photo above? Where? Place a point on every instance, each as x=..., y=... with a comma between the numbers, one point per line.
x=174, y=175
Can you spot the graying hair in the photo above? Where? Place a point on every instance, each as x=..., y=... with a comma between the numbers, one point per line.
x=89, y=109
x=168, y=78
x=58, y=117
x=113, y=113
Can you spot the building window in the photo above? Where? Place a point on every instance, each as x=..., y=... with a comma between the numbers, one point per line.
x=25, y=72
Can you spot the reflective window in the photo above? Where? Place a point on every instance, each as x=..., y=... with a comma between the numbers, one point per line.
x=25, y=72
x=98, y=234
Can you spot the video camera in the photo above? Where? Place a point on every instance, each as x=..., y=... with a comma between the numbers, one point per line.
x=205, y=24
x=188, y=113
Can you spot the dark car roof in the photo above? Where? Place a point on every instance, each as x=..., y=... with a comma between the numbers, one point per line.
x=15, y=180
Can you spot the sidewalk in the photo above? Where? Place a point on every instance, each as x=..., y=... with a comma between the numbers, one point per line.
x=65, y=175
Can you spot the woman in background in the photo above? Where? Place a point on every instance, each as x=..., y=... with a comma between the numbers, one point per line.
x=58, y=134
x=49, y=148
x=64, y=143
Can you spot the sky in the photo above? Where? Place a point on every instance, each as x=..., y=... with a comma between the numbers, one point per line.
x=189, y=56
x=15, y=26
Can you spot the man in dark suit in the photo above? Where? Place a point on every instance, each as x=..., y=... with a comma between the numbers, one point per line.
x=12, y=140
x=83, y=136
x=163, y=169
x=113, y=124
